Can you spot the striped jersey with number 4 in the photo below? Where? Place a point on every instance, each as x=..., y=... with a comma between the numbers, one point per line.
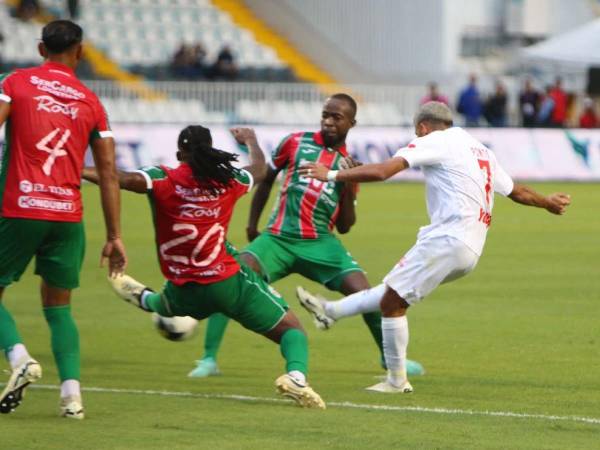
x=53, y=117
x=305, y=208
x=191, y=223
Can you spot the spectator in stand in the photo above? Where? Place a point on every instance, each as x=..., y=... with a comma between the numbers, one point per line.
x=225, y=67
x=544, y=115
x=469, y=103
x=73, y=9
x=529, y=102
x=588, y=118
x=559, y=113
x=495, y=107
x=434, y=95
x=188, y=62
x=27, y=9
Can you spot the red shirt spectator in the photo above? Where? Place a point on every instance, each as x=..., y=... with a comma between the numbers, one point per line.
x=559, y=114
x=588, y=118
x=434, y=95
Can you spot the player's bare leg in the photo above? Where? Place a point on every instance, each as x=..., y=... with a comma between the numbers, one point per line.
x=251, y=262
x=395, y=343
x=24, y=369
x=65, y=347
x=290, y=336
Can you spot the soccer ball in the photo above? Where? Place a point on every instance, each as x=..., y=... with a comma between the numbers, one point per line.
x=175, y=328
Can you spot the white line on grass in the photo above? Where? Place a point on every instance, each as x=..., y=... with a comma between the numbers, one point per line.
x=349, y=405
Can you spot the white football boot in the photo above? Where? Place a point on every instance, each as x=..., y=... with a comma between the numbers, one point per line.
x=71, y=407
x=301, y=393
x=29, y=371
x=128, y=289
x=314, y=305
x=388, y=388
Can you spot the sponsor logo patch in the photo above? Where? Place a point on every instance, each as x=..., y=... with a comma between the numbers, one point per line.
x=194, y=211
x=49, y=104
x=27, y=202
x=55, y=87
x=25, y=186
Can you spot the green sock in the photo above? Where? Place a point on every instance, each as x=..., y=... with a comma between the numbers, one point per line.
x=9, y=336
x=65, y=341
x=373, y=321
x=294, y=348
x=215, y=329
x=154, y=303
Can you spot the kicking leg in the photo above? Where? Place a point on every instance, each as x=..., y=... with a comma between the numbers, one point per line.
x=356, y=283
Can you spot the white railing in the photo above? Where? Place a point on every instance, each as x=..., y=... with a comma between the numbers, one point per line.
x=267, y=103
x=219, y=96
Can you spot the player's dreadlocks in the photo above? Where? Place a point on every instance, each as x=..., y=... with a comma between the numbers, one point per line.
x=210, y=166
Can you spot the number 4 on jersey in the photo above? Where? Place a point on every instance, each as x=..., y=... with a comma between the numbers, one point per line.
x=54, y=152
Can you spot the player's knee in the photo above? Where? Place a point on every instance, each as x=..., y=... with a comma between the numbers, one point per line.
x=289, y=322
x=392, y=305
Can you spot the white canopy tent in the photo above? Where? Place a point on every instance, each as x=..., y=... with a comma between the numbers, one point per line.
x=576, y=50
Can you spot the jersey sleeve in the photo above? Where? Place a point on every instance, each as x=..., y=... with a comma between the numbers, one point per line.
x=102, y=125
x=152, y=174
x=6, y=87
x=244, y=180
x=422, y=152
x=283, y=152
x=503, y=183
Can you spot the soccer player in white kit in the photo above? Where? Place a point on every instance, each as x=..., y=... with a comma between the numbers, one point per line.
x=461, y=176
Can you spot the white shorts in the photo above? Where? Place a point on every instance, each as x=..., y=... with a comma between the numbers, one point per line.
x=428, y=264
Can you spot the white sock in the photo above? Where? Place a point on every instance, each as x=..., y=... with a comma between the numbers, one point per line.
x=298, y=376
x=143, y=298
x=358, y=303
x=70, y=388
x=17, y=355
x=395, y=342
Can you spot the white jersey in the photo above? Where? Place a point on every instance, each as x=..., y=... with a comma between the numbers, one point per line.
x=461, y=176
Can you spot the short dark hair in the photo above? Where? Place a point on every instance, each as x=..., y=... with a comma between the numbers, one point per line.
x=346, y=98
x=61, y=35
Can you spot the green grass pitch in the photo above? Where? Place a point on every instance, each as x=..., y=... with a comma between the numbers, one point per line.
x=519, y=337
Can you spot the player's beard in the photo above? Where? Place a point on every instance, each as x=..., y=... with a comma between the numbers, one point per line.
x=333, y=141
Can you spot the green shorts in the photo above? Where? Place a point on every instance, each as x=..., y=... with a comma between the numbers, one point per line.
x=58, y=248
x=324, y=260
x=245, y=297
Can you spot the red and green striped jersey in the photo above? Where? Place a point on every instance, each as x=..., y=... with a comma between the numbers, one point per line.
x=305, y=208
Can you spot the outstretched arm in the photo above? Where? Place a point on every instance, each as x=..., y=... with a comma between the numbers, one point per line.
x=554, y=203
x=130, y=181
x=259, y=200
x=257, y=166
x=365, y=173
